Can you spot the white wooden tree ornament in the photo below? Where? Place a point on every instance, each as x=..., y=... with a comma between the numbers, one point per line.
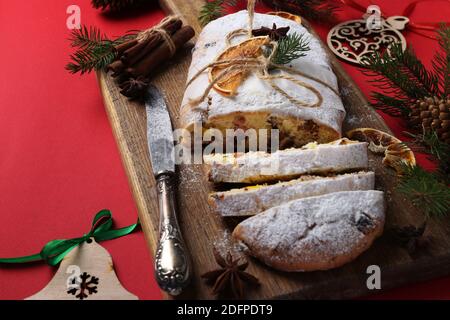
x=85, y=273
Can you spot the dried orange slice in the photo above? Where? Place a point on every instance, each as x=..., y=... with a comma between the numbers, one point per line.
x=250, y=48
x=396, y=153
x=286, y=15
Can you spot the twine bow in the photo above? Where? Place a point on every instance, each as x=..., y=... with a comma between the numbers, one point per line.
x=55, y=250
x=160, y=29
x=261, y=67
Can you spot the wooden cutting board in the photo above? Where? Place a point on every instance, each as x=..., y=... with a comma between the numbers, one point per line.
x=201, y=227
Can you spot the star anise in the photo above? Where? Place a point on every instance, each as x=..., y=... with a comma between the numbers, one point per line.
x=134, y=87
x=410, y=237
x=274, y=33
x=230, y=278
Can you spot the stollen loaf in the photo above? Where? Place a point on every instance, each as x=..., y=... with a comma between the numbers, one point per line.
x=256, y=104
x=315, y=233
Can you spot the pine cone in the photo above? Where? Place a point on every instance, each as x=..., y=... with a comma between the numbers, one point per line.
x=432, y=113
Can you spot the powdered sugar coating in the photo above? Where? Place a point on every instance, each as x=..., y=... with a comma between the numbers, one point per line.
x=251, y=200
x=254, y=94
x=315, y=233
x=255, y=167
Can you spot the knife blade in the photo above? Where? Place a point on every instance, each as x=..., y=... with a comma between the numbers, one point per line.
x=172, y=263
x=159, y=132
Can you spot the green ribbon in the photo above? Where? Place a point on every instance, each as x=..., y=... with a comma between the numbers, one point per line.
x=55, y=250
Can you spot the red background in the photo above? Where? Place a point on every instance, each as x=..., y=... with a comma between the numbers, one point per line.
x=59, y=163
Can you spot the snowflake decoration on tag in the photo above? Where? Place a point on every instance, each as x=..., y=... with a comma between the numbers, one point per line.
x=83, y=286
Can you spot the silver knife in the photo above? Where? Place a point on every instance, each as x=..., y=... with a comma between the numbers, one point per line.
x=172, y=263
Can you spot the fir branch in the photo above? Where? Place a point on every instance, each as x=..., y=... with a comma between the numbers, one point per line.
x=418, y=74
x=116, y=5
x=86, y=61
x=401, y=75
x=94, y=50
x=429, y=142
x=391, y=105
x=291, y=47
x=315, y=10
x=214, y=9
x=425, y=191
x=318, y=10
x=87, y=37
x=401, y=72
x=441, y=63
x=439, y=149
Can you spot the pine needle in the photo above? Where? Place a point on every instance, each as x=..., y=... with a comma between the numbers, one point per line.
x=416, y=71
x=425, y=191
x=214, y=9
x=291, y=47
x=116, y=5
x=401, y=75
x=439, y=151
x=94, y=50
x=314, y=10
x=441, y=63
x=391, y=105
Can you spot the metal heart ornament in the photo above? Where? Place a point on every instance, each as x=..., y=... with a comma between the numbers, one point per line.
x=356, y=40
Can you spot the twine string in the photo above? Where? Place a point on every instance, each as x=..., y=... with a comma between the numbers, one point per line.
x=251, y=16
x=160, y=29
x=234, y=34
x=260, y=66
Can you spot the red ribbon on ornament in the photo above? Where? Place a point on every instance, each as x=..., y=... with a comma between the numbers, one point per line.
x=412, y=26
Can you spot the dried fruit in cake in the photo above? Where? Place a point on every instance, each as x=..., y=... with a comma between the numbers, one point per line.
x=256, y=103
x=251, y=200
x=396, y=153
x=338, y=156
x=315, y=233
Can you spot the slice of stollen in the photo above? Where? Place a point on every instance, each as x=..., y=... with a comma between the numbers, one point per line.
x=251, y=200
x=316, y=233
x=254, y=167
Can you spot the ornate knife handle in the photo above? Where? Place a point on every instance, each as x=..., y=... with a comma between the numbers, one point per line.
x=172, y=263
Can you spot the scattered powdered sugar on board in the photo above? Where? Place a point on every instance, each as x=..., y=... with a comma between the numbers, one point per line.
x=345, y=91
x=225, y=244
x=353, y=121
x=190, y=176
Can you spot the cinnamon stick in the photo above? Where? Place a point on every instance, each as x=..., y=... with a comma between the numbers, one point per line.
x=161, y=53
x=140, y=50
x=116, y=66
x=121, y=48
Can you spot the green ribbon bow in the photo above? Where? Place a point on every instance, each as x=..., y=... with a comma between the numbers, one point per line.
x=55, y=250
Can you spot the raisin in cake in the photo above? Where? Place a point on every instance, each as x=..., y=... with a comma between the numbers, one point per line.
x=251, y=200
x=256, y=104
x=315, y=233
x=256, y=167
